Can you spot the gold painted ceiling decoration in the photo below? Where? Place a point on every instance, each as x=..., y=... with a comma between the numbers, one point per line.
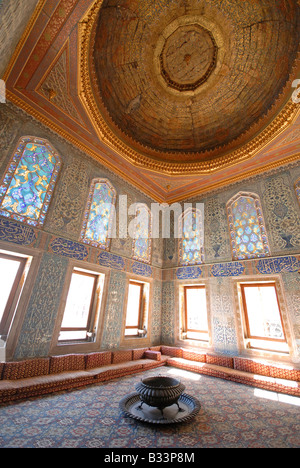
x=190, y=81
x=178, y=97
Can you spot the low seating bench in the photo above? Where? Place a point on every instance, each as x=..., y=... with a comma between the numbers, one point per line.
x=272, y=377
x=33, y=377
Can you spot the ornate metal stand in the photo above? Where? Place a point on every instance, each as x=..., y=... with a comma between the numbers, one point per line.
x=160, y=400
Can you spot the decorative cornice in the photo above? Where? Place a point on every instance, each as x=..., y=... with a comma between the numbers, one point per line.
x=140, y=165
x=96, y=155
x=231, y=181
x=24, y=37
x=141, y=159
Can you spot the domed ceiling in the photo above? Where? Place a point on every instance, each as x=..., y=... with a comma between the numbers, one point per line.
x=178, y=97
x=191, y=80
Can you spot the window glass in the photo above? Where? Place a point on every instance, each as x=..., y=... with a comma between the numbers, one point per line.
x=8, y=271
x=264, y=326
x=196, y=321
x=297, y=188
x=28, y=184
x=191, y=244
x=142, y=236
x=99, y=214
x=133, y=305
x=13, y=272
x=137, y=310
x=196, y=309
x=248, y=235
x=79, y=314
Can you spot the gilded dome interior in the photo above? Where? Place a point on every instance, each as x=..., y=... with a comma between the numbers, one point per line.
x=191, y=80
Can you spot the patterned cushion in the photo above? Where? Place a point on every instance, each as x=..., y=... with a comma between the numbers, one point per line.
x=193, y=355
x=69, y=362
x=2, y=364
x=138, y=353
x=155, y=355
x=7, y=390
x=124, y=367
x=25, y=369
x=222, y=361
x=100, y=359
x=285, y=372
x=171, y=351
x=155, y=348
x=249, y=365
x=122, y=356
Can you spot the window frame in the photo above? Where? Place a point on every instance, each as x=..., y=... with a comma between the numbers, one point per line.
x=87, y=212
x=10, y=172
x=247, y=335
x=140, y=313
x=260, y=221
x=138, y=208
x=91, y=315
x=297, y=189
x=184, y=328
x=98, y=302
x=181, y=225
x=15, y=292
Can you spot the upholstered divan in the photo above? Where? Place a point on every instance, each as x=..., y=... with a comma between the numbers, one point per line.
x=267, y=376
x=33, y=377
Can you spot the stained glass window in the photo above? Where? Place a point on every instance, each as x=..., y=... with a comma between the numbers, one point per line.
x=191, y=246
x=142, y=242
x=99, y=214
x=28, y=184
x=297, y=188
x=247, y=229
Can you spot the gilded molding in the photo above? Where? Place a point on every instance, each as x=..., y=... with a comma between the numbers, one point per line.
x=141, y=167
x=134, y=180
x=232, y=180
x=81, y=146
x=24, y=37
x=140, y=159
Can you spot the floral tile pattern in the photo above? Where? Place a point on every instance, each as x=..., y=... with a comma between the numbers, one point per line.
x=91, y=418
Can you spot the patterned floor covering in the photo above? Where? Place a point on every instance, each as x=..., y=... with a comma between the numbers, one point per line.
x=231, y=416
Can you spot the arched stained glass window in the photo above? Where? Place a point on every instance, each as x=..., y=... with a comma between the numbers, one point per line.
x=99, y=214
x=297, y=188
x=28, y=183
x=142, y=242
x=191, y=243
x=247, y=228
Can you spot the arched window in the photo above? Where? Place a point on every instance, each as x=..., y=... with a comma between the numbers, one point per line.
x=247, y=228
x=297, y=188
x=191, y=241
x=142, y=239
x=27, y=186
x=99, y=214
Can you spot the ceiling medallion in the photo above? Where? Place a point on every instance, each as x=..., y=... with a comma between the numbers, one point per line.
x=202, y=79
x=188, y=57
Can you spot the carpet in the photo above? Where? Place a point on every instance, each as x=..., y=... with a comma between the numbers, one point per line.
x=232, y=416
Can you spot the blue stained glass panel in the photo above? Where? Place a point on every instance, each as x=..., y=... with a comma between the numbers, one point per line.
x=142, y=239
x=27, y=187
x=99, y=214
x=191, y=251
x=247, y=233
x=297, y=188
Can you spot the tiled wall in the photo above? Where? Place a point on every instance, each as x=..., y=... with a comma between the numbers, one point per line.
x=57, y=244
